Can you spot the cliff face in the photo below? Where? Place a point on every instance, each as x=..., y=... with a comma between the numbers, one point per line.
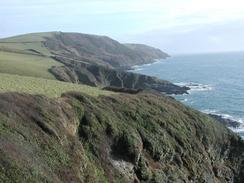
x=100, y=61
x=120, y=138
x=96, y=75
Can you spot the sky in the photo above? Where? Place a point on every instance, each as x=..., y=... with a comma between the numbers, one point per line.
x=175, y=26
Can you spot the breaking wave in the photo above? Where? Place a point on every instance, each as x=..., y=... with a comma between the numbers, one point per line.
x=196, y=86
x=239, y=130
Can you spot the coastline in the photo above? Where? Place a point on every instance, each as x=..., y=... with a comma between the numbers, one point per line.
x=137, y=67
x=229, y=121
x=232, y=124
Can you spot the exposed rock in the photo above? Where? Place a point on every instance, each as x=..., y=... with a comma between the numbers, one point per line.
x=142, y=170
x=96, y=75
x=228, y=122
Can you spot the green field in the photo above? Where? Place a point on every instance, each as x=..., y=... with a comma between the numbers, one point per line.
x=50, y=88
x=26, y=55
x=28, y=48
x=26, y=65
x=27, y=43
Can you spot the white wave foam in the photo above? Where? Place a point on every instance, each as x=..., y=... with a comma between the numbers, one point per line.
x=137, y=69
x=196, y=86
x=140, y=67
x=238, y=130
x=209, y=111
x=135, y=66
x=227, y=116
x=185, y=100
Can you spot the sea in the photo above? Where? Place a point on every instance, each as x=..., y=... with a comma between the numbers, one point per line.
x=216, y=81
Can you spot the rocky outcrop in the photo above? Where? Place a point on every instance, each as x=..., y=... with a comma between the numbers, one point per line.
x=228, y=122
x=96, y=75
x=140, y=138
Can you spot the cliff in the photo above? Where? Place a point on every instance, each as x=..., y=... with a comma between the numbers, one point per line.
x=140, y=138
x=100, y=76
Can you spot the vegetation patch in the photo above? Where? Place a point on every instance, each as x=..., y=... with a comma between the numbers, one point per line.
x=50, y=88
x=27, y=65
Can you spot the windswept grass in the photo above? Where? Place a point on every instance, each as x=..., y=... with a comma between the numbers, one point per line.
x=27, y=43
x=32, y=37
x=27, y=55
x=28, y=47
x=50, y=88
x=26, y=65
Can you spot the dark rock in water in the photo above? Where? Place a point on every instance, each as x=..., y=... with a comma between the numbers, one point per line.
x=143, y=138
x=227, y=122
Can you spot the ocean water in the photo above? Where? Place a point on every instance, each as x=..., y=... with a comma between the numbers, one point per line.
x=216, y=81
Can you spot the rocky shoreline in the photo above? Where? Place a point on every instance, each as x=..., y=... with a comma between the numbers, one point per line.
x=228, y=122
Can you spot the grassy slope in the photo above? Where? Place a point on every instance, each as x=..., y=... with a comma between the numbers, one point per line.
x=26, y=55
x=50, y=88
x=33, y=37
x=26, y=65
x=25, y=42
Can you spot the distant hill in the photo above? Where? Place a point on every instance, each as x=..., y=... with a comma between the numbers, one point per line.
x=147, y=52
x=90, y=48
x=102, y=50
x=83, y=59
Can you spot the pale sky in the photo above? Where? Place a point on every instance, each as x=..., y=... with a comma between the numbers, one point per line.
x=175, y=26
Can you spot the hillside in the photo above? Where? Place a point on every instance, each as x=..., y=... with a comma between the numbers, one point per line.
x=119, y=138
x=27, y=65
x=26, y=56
x=58, y=132
x=81, y=59
x=147, y=52
x=84, y=47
